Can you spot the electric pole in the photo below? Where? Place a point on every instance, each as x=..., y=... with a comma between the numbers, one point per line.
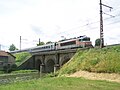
x=20, y=42
x=101, y=27
x=0, y=47
x=39, y=41
x=101, y=24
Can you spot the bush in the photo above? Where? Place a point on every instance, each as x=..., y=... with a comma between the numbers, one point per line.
x=7, y=68
x=97, y=42
x=13, y=67
x=1, y=72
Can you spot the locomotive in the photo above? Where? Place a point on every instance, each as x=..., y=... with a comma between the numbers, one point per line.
x=77, y=42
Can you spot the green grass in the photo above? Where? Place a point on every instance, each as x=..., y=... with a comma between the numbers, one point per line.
x=105, y=60
x=1, y=72
x=61, y=83
x=21, y=57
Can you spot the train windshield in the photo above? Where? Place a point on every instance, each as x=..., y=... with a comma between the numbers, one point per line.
x=85, y=39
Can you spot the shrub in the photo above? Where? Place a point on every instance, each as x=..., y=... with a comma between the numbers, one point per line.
x=7, y=68
x=1, y=72
x=13, y=67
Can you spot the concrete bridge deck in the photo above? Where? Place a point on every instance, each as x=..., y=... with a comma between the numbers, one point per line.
x=54, y=52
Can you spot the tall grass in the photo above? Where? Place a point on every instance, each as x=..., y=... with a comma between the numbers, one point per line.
x=94, y=60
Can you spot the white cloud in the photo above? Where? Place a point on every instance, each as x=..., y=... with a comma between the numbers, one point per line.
x=51, y=19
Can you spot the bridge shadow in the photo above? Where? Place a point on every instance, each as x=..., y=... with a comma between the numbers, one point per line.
x=38, y=63
x=65, y=61
x=49, y=66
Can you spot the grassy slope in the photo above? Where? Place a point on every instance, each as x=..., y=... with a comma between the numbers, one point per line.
x=94, y=60
x=62, y=83
x=21, y=57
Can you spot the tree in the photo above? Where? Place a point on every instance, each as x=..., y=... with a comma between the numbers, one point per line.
x=40, y=43
x=13, y=67
x=97, y=42
x=49, y=42
x=12, y=47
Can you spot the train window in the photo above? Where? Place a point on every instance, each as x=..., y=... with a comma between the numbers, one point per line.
x=80, y=39
x=84, y=39
x=40, y=47
x=68, y=43
x=51, y=46
x=48, y=46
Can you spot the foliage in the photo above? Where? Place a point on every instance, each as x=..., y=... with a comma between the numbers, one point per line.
x=1, y=72
x=61, y=83
x=20, y=57
x=49, y=42
x=12, y=47
x=41, y=43
x=94, y=60
x=13, y=67
x=8, y=68
x=97, y=42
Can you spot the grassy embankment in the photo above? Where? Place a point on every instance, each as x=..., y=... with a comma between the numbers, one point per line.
x=21, y=57
x=106, y=60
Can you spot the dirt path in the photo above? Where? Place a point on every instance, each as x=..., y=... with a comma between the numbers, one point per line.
x=97, y=76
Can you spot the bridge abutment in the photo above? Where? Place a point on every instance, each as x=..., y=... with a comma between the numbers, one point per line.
x=42, y=68
x=56, y=67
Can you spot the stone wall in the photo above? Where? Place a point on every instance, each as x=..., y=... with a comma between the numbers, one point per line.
x=29, y=64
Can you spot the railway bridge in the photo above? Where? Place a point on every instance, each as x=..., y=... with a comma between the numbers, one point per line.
x=48, y=61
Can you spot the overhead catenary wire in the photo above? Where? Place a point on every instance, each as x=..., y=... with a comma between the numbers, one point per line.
x=81, y=26
x=85, y=25
x=70, y=31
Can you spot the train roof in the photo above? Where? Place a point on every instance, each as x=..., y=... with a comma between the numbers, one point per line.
x=43, y=45
x=27, y=49
x=70, y=39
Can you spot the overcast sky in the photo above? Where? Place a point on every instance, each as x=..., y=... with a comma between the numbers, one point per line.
x=51, y=19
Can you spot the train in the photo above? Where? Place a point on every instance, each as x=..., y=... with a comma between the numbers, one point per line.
x=76, y=42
